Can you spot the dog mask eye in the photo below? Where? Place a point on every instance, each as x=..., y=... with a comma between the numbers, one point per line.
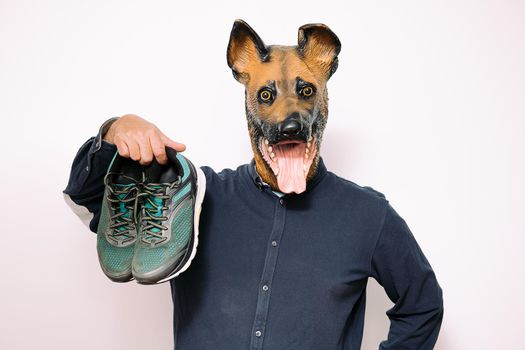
x=265, y=95
x=307, y=91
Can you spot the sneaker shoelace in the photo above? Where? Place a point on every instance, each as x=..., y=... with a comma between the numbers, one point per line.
x=155, y=196
x=122, y=198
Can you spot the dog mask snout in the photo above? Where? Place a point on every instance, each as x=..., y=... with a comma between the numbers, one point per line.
x=291, y=127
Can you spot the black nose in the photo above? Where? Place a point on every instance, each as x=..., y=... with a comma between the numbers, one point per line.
x=290, y=127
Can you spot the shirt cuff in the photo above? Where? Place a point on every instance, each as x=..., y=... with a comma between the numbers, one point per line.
x=95, y=147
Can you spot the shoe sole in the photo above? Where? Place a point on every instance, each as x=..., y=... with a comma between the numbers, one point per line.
x=123, y=279
x=201, y=190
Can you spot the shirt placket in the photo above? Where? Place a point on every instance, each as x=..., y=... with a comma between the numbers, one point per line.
x=265, y=284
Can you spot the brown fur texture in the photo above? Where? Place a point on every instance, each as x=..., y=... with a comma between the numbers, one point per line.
x=256, y=65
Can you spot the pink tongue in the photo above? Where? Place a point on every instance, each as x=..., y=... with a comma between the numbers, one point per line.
x=291, y=176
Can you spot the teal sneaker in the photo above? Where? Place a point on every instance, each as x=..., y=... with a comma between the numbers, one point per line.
x=171, y=198
x=117, y=231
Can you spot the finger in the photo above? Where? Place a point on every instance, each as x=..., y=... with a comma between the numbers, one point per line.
x=134, y=150
x=179, y=147
x=122, y=148
x=146, y=154
x=159, y=151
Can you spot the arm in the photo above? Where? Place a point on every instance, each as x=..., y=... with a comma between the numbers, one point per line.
x=85, y=187
x=132, y=137
x=398, y=264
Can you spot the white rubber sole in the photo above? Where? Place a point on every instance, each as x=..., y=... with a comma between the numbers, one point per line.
x=201, y=190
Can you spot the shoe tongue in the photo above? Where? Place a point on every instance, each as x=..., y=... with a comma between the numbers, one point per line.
x=154, y=172
x=128, y=175
x=291, y=176
x=129, y=172
x=124, y=181
x=162, y=173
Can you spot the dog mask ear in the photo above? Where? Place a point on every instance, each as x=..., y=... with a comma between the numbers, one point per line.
x=245, y=47
x=319, y=47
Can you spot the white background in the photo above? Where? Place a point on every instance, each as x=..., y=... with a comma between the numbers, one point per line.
x=427, y=107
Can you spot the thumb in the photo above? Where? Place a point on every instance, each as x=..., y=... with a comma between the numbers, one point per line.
x=179, y=147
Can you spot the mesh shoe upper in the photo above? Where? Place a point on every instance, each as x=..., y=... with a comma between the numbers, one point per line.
x=166, y=228
x=117, y=233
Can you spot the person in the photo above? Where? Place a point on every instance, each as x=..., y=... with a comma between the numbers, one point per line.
x=274, y=270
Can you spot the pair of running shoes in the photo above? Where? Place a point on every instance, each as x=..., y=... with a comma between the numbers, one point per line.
x=148, y=228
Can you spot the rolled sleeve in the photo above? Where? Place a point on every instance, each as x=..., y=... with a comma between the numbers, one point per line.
x=85, y=186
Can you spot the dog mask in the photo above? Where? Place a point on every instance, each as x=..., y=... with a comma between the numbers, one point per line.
x=286, y=100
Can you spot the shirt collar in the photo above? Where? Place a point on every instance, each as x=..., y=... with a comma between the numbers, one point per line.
x=319, y=174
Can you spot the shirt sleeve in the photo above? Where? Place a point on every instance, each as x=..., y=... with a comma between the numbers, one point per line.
x=399, y=265
x=85, y=187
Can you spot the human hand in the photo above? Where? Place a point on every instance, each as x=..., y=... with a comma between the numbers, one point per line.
x=140, y=140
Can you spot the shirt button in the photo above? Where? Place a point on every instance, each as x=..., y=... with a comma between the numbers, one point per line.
x=281, y=201
x=274, y=243
x=87, y=168
x=258, y=333
x=265, y=287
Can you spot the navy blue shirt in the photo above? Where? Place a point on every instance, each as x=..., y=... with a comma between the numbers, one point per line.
x=286, y=273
